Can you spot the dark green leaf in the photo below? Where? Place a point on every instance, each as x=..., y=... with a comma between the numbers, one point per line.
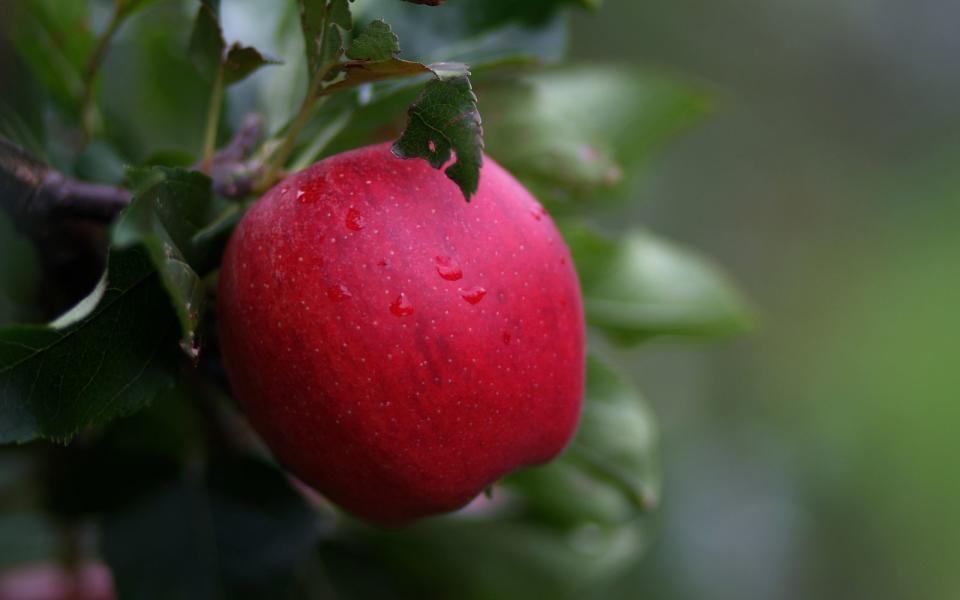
x=642, y=286
x=442, y=121
x=340, y=13
x=519, y=559
x=207, y=43
x=55, y=39
x=241, y=61
x=573, y=134
x=322, y=23
x=105, y=359
x=376, y=42
x=609, y=474
x=170, y=207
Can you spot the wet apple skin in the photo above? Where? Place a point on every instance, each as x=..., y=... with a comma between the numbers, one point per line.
x=398, y=348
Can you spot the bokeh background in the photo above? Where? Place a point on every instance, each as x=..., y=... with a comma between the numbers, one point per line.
x=817, y=457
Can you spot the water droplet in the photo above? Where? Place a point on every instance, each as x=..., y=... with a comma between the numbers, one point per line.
x=355, y=220
x=401, y=306
x=284, y=191
x=382, y=262
x=506, y=337
x=338, y=293
x=304, y=198
x=538, y=211
x=449, y=268
x=474, y=294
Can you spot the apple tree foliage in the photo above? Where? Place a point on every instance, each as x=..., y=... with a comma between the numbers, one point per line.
x=137, y=133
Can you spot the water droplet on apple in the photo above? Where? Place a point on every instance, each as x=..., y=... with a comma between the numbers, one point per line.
x=474, y=294
x=506, y=337
x=401, y=306
x=355, y=220
x=382, y=262
x=449, y=268
x=338, y=293
x=304, y=198
x=538, y=211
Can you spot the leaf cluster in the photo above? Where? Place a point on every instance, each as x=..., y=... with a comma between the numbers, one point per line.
x=137, y=107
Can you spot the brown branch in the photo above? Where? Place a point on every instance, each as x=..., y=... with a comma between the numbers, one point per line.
x=31, y=190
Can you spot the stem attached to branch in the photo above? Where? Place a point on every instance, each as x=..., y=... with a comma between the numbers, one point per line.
x=32, y=190
x=283, y=153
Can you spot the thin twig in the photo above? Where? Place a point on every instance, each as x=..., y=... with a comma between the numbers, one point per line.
x=213, y=121
x=303, y=115
x=87, y=109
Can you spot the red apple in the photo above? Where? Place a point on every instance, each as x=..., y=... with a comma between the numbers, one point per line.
x=398, y=348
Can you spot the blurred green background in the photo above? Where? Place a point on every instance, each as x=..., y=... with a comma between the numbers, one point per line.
x=812, y=458
x=816, y=457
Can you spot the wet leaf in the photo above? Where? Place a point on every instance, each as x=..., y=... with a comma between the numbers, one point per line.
x=444, y=120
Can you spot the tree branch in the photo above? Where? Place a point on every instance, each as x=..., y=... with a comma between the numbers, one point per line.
x=33, y=191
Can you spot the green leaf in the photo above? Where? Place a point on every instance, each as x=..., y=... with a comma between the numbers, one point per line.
x=107, y=363
x=206, y=42
x=442, y=121
x=373, y=59
x=609, y=474
x=643, y=286
x=376, y=42
x=170, y=207
x=519, y=559
x=55, y=39
x=209, y=54
x=322, y=23
x=340, y=14
x=576, y=133
x=241, y=61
